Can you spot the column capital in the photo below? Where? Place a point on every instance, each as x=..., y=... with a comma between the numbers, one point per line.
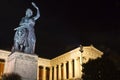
x=75, y=59
x=50, y=66
x=70, y=60
x=60, y=64
x=65, y=62
x=44, y=66
x=54, y=65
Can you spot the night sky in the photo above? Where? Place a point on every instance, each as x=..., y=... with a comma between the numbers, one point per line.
x=64, y=24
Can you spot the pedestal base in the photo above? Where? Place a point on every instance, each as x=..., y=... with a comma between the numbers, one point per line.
x=23, y=64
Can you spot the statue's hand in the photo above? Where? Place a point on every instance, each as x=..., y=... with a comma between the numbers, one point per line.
x=15, y=29
x=34, y=5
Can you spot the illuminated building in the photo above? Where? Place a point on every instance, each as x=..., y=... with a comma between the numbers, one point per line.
x=67, y=66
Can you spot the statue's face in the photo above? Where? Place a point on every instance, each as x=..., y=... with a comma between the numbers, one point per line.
x=29, y=13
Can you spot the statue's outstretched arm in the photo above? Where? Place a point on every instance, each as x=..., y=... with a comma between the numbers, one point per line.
x=24, y=25
x=38, y=12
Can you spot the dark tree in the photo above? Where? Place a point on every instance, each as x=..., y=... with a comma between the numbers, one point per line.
x=11, y=76
x=100, y=69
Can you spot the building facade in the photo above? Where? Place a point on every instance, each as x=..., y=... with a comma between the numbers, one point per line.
x=64, y=67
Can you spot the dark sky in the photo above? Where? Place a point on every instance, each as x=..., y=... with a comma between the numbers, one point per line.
x=64, y=24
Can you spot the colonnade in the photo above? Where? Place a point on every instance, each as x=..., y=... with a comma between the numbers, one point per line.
x=70, y=69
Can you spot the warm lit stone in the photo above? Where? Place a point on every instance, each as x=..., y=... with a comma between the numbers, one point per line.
x=23, y=64
x=89, y=52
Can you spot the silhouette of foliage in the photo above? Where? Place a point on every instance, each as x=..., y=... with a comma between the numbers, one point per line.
x=100, y=69
x=11, y=76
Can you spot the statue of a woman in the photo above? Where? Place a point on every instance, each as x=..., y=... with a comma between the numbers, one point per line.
x=28, y=22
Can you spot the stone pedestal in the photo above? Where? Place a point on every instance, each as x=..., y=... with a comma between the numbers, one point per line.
x=23, y=64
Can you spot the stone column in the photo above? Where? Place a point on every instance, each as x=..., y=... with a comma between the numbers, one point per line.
x=70, y=69
x=81, y=62
x=76, y=68
x=64, y=70
x=44, y=73
x=50, y=73
x=59, y=72
x=80, y=58
x=80, y=66
x=55, y=76
x=37, y=72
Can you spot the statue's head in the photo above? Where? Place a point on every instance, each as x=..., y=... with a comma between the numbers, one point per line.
x=29, y=12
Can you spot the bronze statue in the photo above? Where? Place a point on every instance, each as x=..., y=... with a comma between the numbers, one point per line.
x=24, y=39
x=20, y=40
